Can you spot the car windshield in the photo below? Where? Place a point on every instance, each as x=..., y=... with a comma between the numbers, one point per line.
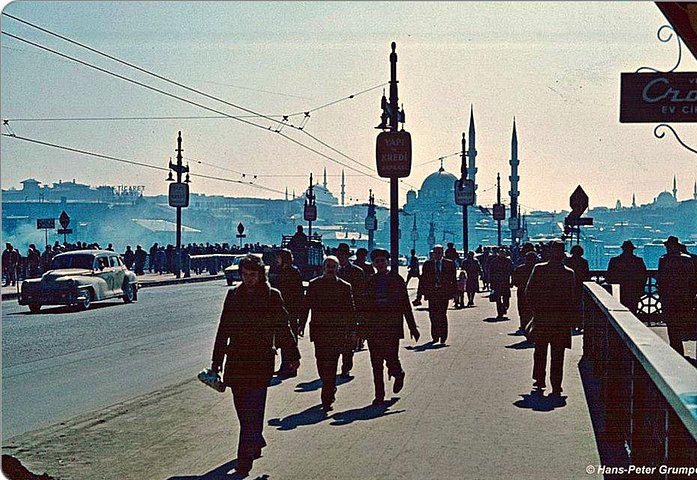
x=72, y=261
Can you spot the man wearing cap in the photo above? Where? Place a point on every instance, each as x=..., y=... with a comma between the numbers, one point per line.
x=629, y=272
x=677, y=285
x=356, y=278
x=386, y=308
x=439, y=286
x=331, y=326
x=551, y=297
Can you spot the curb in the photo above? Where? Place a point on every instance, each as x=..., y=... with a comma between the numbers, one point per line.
x=155, y=283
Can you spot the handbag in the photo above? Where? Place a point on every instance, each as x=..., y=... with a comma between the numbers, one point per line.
x=212, y=379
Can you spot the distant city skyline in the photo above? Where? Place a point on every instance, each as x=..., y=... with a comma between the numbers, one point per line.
x=554, y=66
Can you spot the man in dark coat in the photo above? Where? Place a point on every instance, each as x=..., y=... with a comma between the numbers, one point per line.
x=287, y=280
x=253, y=321
x=139, y=257
x=629, y=272
x=500, y=271
x=46, y=258
x=129, y=257
x=677, y=285
x=551, y=296
x=33, y=262
x=361, y=256
x=438, y=283
x=521, y=275
x=473, y=271
x=10, y=260
x=356, y=278
x=332, y=324
x=386, y=308
x=579, y=265
x=451, y=254
x=414, y=269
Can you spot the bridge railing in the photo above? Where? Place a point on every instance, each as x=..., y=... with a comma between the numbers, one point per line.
x=649, y=308
x=648, y=391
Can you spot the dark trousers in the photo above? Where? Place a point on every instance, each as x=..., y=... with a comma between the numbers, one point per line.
x=347, y=358
x=250, y=403
x=523, y=311
x=284, y=354
x=540, y=364
x=503, y=300
x=384, y=351
x=438, y=314
x=327, y=356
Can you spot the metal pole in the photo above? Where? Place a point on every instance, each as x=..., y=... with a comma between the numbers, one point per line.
x=463, y=170
x=177, y=260
x=394, y=185
x=498, y=201
x=371, y=211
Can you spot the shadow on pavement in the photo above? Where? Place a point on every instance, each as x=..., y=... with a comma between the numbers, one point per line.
x=369, y=412
x=426, y=346
x=317, y=384
x=537, y=401
x=222, y=472
x=522, y=345
x=67, y=309
x=611, y=452
x=310, y=416
x=496, y=319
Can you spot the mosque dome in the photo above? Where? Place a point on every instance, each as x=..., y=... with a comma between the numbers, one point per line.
x=665, y=199
x=438, y=187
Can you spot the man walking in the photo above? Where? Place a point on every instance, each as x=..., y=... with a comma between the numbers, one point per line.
x=500, y=271
x=387, y=306
x=289, y=283
x=629, y=272
x=677, y=284
x=521, y=275
x=473, y=271
x=10, y=259
x=356, y=278
x=551, y=297
x=361, y=256
x=413, y=271
x=331, y=326
x=439, y=286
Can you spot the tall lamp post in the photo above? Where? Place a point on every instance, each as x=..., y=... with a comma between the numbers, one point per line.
x=178, y=198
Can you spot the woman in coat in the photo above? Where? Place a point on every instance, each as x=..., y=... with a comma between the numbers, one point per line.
x=253, y=321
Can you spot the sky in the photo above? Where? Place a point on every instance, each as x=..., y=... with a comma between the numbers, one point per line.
x=553, y=66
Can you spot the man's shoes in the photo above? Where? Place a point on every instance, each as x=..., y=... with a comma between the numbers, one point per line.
x=378, y=401
x=243, y=466
x=327, y=407
x=416, y=302
x=345, y=375
x=398, y=382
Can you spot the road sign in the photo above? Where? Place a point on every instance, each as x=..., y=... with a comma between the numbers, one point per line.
x=371, y=222
x=64, y=219
x=578, y=221
x=45, y=223
x=658, y=97
x=178, y=194
x=240, y=231
x=310, y=213
x=578, y=202
x=464, y=192
x=65, y=231
x=393, y=154
x=499, y=211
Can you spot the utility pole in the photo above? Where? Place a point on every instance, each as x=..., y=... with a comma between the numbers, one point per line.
x=463, y=177
x=310, y=212
x=498, y=201
x=371, y=221
x=414, y=234
x=394, y=185
x=180, y=169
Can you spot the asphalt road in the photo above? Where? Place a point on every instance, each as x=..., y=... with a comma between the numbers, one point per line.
x=61, y=362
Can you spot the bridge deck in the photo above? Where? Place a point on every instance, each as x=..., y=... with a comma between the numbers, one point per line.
x=465, y=412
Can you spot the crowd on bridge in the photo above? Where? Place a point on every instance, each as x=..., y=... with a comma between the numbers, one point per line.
x=355, y=302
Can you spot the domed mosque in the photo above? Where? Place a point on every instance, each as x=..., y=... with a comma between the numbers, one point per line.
x=436, y=193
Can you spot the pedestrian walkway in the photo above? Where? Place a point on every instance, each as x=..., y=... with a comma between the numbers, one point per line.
x=146, y=280
x=466, y=411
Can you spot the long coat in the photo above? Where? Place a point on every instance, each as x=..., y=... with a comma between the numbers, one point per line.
x=253, y=322
x=677, y=285
x=290, y=284
x=551, y=296
x=355, y=276
x=442, y=288
x=386, y=307
x=629, y=271
x=473, y=271
x=333, y=313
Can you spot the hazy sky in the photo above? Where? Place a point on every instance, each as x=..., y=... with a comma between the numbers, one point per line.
x=554, y=66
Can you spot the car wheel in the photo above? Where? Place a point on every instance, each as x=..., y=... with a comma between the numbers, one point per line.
x=86, y=302
x=129, y=292
x=34, y=307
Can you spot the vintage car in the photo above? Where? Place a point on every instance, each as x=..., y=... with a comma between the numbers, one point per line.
x=79, y=278
x=232, y=272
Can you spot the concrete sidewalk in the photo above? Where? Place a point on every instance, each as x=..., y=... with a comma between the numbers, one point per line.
x=466, y=412
x=147, y=280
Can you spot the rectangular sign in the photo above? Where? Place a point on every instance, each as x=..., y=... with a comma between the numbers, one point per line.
x=45, y=223
x=658, y=97
x=499, y=211
x=310, y=212
x=464, y=192
x=178, y=194
x=393, y=154
x=65, y=231
x=578, y=221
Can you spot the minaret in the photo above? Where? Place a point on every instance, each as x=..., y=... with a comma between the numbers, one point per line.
x=286, y=194
x=633, y=200
x=343, y=188
x=675, y=187
x=472, y=155
x=325, y=178
x=514, y=178
x=694, y=192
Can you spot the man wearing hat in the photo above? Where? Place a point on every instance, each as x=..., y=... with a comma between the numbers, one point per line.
x=289, y=283
x=361, y=256
x=676, y=282
x=439, y=286
x=356, y=278
x=629, y=272
x=386, y=308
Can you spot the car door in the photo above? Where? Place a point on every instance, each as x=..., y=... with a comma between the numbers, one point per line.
x=104, y=271
x=119, y=270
